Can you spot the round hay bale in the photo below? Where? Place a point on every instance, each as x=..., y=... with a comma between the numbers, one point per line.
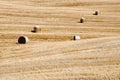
x=82, y=20
x=23, y=39
x=76, y=38
x=36, y=29
x=96, y=12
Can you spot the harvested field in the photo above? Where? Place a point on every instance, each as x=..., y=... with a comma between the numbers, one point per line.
x=52, y=54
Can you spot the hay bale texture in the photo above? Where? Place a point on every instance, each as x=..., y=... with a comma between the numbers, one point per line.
x=96, y=12
x=23, y=40
x=82, y=20
x=36, y=29
x=76, y=37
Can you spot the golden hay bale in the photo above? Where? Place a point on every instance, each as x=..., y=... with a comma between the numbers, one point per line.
x=23, y=40
x=82, y=20
x=96, y=12
x=76, y=37
x=36, y=29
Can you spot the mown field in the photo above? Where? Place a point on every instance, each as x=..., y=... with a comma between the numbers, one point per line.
x=52, y=54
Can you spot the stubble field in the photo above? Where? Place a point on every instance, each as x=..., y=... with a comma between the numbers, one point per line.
x=52, y=54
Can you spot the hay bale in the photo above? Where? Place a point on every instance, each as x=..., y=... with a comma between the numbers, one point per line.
x=23, y=40
x=96, y=12
x=36, y=29
x=82, y=20
x=76, y=37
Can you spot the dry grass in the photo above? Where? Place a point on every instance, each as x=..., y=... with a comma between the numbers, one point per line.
x=52, y=54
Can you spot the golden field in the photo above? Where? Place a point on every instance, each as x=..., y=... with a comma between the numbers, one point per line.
x=52, y=54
